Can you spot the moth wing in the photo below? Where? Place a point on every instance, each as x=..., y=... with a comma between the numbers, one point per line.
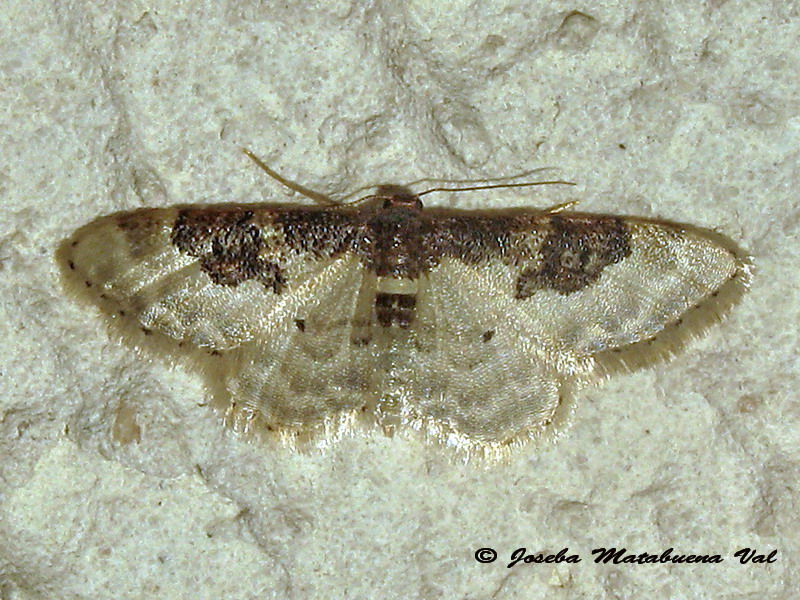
x=129, y=265
x=676, y=282
x=492, y=367
x=470, y=378
x=271, y=359
x=314, y=379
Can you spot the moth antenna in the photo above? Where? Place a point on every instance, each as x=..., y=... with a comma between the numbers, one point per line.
x=296, y=187
x=494, y=186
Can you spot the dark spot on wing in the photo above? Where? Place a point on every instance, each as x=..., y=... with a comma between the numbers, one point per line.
x=228, y=245
x=487, y=335
x=574, y=254
x=301, y=325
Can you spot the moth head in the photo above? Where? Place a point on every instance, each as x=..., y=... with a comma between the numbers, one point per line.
x=394, y=196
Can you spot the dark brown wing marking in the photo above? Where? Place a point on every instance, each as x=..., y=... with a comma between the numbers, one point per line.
x=575, y=253
x=228, y=245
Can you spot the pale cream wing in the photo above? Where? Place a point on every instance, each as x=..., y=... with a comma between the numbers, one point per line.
x=129, y=266
x=315, y=374
x=675, y=282
x=468, y=372
x=489, y=366
x=276, y=360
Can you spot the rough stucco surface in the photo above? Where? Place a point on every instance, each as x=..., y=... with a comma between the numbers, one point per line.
x=116, y=481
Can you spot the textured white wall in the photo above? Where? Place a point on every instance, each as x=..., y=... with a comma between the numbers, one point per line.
x=115, y=483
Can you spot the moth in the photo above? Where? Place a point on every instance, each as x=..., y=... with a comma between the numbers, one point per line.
x=478, y=327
